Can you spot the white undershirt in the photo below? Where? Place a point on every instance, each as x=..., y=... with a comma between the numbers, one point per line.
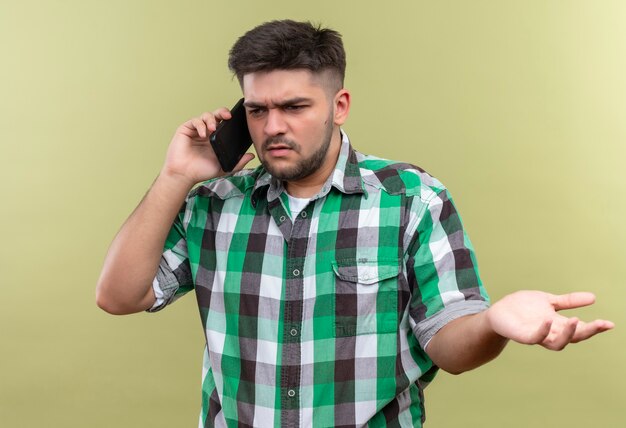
x=296, y=205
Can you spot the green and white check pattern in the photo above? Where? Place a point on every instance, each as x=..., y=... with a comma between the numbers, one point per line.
x=321, y=320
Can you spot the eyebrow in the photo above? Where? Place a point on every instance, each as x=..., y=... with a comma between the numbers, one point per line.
x=286, y=103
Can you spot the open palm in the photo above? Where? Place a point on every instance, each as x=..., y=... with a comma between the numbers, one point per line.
x=531, y=317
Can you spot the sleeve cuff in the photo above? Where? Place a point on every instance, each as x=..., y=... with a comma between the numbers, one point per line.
x=159, y=295
x=425, y=330
x=164, y=286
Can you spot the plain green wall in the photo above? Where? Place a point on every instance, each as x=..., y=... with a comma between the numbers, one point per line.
x=519, y=107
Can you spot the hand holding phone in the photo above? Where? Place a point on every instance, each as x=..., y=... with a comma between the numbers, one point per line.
x=231, y=138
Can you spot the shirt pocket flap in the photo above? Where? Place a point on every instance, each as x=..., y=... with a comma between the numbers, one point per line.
x=366, y=271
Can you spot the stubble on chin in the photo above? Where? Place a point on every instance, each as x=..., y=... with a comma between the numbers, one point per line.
x=304, y=167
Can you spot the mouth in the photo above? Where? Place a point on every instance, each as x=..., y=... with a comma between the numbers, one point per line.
x=278, y=150
x=278, y=147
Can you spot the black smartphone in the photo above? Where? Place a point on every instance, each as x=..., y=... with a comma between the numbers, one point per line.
x=231, y=138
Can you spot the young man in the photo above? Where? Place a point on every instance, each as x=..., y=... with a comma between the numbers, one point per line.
x=331, y=285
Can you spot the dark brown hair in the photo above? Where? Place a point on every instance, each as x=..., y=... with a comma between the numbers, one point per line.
x=289, y=45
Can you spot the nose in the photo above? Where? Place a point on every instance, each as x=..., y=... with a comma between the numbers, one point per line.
x=274, y=123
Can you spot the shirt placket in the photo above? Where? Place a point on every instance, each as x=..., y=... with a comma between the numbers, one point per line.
x=296, y=235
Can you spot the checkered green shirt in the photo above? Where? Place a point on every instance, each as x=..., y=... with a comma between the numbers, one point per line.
x=320, y=320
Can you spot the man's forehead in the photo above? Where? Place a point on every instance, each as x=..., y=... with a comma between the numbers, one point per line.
x=281, y=84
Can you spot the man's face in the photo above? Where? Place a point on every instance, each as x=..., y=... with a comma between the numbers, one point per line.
x=291, y=117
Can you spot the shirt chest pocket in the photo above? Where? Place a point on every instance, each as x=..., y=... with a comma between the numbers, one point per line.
x=366, y=296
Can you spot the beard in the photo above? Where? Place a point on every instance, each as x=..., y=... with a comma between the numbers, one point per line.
x=306, y=166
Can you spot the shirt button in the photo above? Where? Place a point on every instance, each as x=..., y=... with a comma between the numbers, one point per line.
x=282, y=218
x=293, y=332
x=291, y=393
x=296, y=272
x=303, y=214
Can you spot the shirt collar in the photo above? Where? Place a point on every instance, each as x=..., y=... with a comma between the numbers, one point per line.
x=346, y=177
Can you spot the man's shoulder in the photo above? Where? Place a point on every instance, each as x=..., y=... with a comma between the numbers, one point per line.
x=228, y=186
x=396, y=177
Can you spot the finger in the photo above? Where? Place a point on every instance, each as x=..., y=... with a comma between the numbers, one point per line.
x=211, y=119
x=562, y=338
x=572, y=300
x=586, y=330
x=222, y=114
x=200, y=126
x=539, y=335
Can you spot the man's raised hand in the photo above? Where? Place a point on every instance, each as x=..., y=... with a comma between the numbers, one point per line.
x=531, y=317
x=190, y=157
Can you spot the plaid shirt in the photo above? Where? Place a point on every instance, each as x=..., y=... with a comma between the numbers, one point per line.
x=320, y=320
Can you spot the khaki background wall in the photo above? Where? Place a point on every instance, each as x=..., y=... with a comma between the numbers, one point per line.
x=519, y=107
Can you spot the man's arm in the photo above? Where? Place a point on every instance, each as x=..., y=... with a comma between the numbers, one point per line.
x=528, y=317
x=125, y=284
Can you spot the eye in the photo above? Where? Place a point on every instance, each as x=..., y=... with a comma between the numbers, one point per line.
x=256, y=111
x=295, y=108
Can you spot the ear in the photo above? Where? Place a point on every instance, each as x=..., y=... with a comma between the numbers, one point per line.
x=341, y=102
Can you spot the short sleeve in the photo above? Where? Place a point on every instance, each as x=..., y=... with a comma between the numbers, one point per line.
x=173, y=278
x=442, y=268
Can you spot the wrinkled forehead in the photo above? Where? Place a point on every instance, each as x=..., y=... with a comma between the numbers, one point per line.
x=289, y=83
x=273, y=86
